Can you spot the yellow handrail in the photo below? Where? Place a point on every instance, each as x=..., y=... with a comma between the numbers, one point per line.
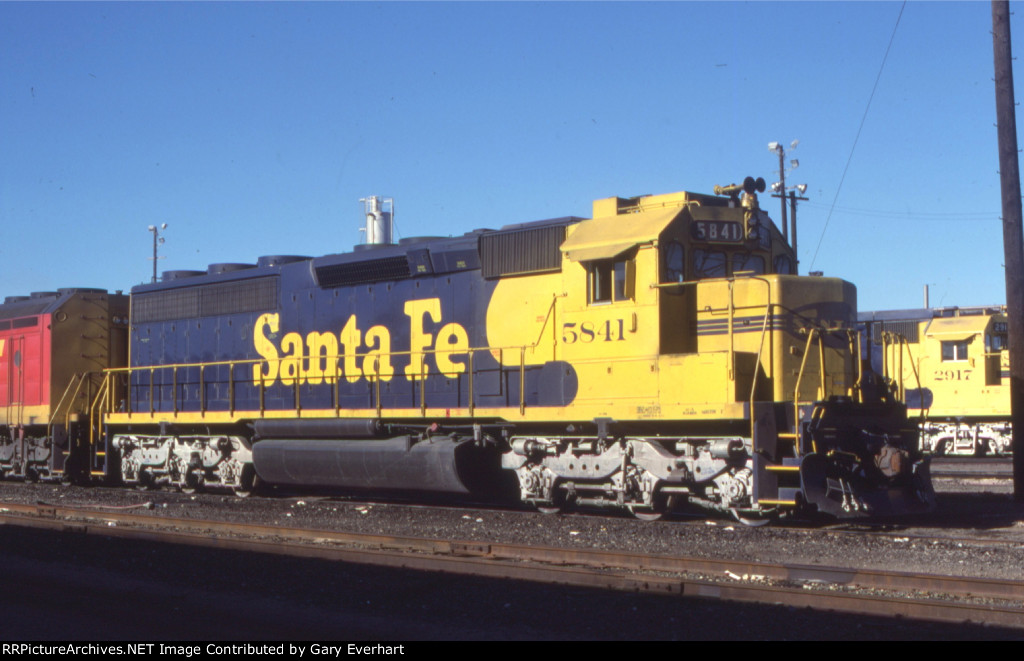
x=75, y=382
x=238, y=367
x=95, y=408
x=766, y=331
x=898, y=341
x=550, y=315
x=855, y=388
x=814, y=332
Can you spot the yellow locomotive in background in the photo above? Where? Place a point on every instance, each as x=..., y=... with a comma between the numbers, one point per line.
x=951, y=365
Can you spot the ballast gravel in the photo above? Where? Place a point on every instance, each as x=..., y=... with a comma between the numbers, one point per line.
x=978, y=530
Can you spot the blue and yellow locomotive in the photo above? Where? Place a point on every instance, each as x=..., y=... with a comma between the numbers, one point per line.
x=662, y=352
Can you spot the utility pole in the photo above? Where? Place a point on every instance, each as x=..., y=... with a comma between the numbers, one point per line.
x=1013, y=236
x=792, y=209
x=781, y=151
x=779, y=188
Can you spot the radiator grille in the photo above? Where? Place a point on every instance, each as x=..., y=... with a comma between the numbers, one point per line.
x=354, y=273
x=255, y=295
x=517, y=252
x=907, y=329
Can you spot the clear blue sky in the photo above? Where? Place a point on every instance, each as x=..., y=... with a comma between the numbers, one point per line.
x=254, y=128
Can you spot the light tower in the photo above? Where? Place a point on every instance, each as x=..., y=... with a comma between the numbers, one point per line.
x=157, y=240
x=780, y=186
x=780, y=189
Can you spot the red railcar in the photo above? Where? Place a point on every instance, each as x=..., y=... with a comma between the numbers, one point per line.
x=53, y=346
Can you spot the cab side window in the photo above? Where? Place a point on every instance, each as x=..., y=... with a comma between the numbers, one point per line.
x=673, y=262
x=610, y=280
x=954, y=351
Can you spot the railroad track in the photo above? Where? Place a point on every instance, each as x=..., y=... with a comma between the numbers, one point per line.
x=972, y=468
x=867, y=592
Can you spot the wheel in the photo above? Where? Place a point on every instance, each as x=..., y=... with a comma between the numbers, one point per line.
x=753, y=519
x=646, y=514
x=553, y=506
x=661, y=506
x=145, y=481
x=192, y=483
x=249, y=482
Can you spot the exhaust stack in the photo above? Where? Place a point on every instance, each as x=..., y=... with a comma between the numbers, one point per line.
x=380, y=217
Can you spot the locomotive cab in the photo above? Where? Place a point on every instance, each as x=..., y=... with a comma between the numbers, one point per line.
x=951, y=367
x=697, y=290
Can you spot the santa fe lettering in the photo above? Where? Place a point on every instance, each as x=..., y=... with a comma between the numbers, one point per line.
x=352, y=354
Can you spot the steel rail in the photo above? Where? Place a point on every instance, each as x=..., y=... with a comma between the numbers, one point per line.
x=957, y=475
x=976, y=469
x=817, y=587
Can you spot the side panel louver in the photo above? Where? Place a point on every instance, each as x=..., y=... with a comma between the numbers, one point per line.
x=354, y=273
x=518, y=252
x=254, y=295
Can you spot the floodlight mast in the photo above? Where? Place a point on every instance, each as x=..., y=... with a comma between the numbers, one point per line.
x=779, y=188
x=778, y=149
x=157, y=239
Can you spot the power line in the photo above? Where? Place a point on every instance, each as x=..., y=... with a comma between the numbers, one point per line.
x=922, y=216
x=859, y=129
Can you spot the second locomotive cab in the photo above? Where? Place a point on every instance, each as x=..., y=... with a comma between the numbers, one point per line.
x=53, y=348
x=659, y=353
x=952, y=367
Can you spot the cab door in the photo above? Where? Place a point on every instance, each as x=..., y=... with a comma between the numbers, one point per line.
x=12, y=391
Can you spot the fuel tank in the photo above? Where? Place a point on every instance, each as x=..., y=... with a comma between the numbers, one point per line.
x=439, y=465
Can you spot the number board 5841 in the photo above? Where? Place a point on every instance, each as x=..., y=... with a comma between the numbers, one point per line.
x=717, y=231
